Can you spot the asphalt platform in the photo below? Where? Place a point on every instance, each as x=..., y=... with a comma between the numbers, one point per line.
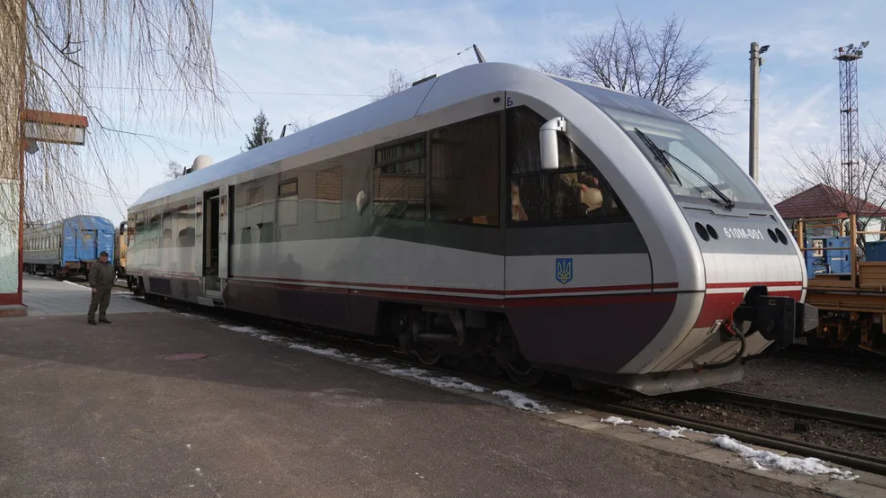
x=101, y=411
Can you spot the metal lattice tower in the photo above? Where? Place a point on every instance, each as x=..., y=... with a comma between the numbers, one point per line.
x=848, y=58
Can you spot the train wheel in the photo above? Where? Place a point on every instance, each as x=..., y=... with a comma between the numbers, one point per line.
x=522, y=373
x=427, y=356
x=509, y=358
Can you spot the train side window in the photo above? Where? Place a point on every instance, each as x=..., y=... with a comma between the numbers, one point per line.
x=254, y=212
x=464, y=171
x=185, y=225
x=154, y=230
x=399, y=180
x=575, y=192
x=139, y=229
x=329, y=194
x=287, y=210
x=167, y=228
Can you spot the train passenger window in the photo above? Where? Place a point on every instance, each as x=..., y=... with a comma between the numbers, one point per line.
x=576, y=191
x=186, y=225
x=464, y=171
x=287, y=210
x=399, y=180
x=329, y=194
x=254, y=204
x=167, y=227
x=139, y=229
x=154, y=230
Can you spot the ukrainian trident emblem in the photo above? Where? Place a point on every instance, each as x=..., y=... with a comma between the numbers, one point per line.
x=564, y=270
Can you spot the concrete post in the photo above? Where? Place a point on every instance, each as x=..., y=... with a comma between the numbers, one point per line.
x=753, y=167
x=12, y=87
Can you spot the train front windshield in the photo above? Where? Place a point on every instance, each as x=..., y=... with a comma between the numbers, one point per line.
x=692, y=166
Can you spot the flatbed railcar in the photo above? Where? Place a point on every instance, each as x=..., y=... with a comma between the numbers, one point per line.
x=549, y=225
x=67, y=247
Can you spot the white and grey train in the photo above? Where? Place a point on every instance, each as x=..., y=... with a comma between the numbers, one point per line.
x=549, y=225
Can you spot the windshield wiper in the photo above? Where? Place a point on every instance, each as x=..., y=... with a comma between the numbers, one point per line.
x=658, y=154
x=664, y=154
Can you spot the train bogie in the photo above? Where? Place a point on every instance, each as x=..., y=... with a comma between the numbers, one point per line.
x=496, y=212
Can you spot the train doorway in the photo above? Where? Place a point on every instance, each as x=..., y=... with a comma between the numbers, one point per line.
x=210, y=242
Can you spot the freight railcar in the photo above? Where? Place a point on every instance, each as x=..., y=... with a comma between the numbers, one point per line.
x=67, y=247
x=495, y=211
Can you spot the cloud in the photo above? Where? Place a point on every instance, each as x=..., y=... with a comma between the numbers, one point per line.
x=347, y=49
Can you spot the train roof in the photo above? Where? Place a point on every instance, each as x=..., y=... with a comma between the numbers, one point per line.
x=86, y=220
x=449, y=89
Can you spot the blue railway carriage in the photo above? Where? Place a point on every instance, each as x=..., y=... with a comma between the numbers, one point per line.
x=67, y=247
x=546, y=225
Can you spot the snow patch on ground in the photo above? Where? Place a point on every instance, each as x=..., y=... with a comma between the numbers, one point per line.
x=425, y=376
x=76, y=285
x=665, y=433
x=520, y=401
x=330, y=352
x=768, y=460
x=245, y=329
x=616, y=421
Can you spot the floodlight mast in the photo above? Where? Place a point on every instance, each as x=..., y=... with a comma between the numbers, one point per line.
x=848, y=57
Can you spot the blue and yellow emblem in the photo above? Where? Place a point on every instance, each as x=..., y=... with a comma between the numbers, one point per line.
x=564, y=270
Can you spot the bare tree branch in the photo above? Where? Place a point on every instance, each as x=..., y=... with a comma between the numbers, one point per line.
x=72, y=50
x=658, y=66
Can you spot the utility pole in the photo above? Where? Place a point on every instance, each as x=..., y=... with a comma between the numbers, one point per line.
x=756, y=62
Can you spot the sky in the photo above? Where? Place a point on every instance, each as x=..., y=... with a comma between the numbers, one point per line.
x=311, y=61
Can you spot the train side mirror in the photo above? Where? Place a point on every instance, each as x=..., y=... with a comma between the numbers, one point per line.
x=548, y=139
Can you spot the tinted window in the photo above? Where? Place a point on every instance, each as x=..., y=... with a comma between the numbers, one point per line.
x=254, y=211
x=287, y=210
x=464, y=171
x=576, y=191
x=399, y=180
x=329, y=194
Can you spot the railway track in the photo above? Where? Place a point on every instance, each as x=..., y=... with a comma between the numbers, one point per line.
x=601, y=400
x=858, y=360
x=796, y=408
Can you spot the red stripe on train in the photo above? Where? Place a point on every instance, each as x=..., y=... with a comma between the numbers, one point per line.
x=720, y=306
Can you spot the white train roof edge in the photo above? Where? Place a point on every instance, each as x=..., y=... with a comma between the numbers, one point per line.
x=473, y=81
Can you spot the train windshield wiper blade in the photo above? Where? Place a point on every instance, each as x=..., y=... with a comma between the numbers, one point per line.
x=662, y=156
x=658, y=154
x=726, y=200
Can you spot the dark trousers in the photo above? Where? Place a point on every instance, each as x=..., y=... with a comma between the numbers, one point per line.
x=101, y=298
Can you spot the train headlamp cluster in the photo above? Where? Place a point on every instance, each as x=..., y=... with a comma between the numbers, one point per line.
x=707, y=232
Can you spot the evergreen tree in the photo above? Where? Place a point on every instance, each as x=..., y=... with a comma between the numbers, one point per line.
x=261, y=133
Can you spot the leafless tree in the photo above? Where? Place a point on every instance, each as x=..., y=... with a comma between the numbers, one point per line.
x=396, y=84
x=174, y=170
x=137, y=70
x=656, y=65
x=849, y=192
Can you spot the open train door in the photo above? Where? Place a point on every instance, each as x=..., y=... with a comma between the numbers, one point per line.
x=214, y=260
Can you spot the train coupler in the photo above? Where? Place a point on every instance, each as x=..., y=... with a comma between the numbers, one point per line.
x=782, y=319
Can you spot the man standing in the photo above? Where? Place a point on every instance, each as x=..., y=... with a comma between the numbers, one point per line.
x=101, y=279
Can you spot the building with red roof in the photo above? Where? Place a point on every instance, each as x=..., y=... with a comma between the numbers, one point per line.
x=822, y=201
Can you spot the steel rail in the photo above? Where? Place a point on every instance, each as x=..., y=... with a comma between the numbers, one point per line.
x=841, y=457
x=796, y=408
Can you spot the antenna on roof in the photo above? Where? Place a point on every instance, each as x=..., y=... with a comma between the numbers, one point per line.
x=480, y=58
x=283, y=133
